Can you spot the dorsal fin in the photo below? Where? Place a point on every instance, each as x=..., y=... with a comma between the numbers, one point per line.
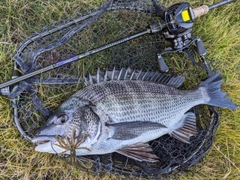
x=98, y=75
x=129, y=74
x=105, y=76
x=113, y=74
x=121, y=74
x=90, y=79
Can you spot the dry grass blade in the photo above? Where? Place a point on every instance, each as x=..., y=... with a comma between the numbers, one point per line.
x=225, y=156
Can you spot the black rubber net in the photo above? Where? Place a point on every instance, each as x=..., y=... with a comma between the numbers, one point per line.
x=34, y=99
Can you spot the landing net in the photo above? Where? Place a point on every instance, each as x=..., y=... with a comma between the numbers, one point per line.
x=34, y=100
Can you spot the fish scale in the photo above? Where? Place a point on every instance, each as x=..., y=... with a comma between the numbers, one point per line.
x=124, y=104
x=136, y=94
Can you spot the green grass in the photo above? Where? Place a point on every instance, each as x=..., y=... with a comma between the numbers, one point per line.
x=220, y=32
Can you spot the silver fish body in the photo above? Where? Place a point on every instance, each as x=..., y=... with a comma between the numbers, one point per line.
x=124, y=113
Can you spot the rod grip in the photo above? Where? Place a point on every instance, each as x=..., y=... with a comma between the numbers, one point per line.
x=200, y=11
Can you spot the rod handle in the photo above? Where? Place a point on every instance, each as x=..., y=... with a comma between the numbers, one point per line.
x=200, y=11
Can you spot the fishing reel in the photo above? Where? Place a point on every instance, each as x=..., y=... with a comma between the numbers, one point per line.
x=177, y=24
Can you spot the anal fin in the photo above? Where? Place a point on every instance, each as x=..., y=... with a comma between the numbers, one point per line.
x=187, y=130
x=140, y=152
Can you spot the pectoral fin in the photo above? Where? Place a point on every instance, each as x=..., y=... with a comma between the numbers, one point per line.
x=187, y=130
x=140, y=152
x=130, y=130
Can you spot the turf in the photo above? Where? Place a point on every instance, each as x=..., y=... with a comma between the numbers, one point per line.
x=220, y=32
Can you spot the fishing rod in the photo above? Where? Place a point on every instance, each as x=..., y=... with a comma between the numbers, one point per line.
x=176, y=25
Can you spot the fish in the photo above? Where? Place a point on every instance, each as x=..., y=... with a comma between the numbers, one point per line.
x=122, y=110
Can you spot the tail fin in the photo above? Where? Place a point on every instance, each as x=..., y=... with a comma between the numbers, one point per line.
x=217, y=97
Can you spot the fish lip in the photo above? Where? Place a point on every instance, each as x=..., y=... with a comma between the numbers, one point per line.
x=42, y=139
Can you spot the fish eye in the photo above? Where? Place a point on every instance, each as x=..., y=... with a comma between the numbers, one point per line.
x=62, y=119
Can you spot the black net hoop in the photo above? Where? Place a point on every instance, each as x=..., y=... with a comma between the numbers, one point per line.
x=33, y=100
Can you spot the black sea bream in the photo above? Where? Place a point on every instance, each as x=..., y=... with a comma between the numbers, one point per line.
x=121, y=111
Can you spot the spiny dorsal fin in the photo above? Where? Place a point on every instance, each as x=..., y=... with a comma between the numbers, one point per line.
x=105, y=76
x=129, y=74
x=90, y=79
x=121, y=74
x=98, y=75
x=113, y=73
x=140, y=152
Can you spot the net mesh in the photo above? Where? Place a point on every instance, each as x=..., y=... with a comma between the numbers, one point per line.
x=35, y=99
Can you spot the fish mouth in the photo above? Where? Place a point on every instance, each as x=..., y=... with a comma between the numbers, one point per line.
x=42, y=139
x=47, y=143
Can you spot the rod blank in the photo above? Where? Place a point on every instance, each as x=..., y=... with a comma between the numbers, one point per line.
x=220, y=4
x=73, y=59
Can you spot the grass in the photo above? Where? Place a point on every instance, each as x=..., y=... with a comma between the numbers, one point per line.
x=220, y=32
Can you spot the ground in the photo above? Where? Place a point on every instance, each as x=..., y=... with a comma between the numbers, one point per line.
x=220, y=32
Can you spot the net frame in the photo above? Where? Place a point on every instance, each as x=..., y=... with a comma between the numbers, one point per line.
x=30, y=56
